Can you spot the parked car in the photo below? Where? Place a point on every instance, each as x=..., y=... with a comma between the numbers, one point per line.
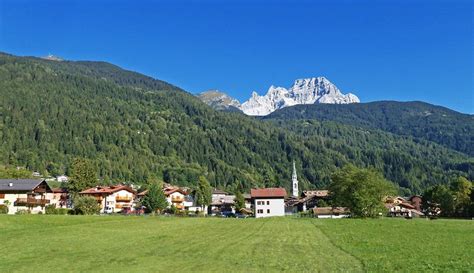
x=108, y=210
x=228, y=214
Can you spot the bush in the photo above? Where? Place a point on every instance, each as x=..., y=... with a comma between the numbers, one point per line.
x=86, y=205
x=3, y=209
x=22, y=212
x=308, y=213
x=181, y=213
x=50, y=209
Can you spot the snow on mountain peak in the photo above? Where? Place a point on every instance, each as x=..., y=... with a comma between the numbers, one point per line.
x=303, y=91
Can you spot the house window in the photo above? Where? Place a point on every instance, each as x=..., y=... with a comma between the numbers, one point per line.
x=260, y=211
x=260, y=202
x=268, y=211
x=268, y=202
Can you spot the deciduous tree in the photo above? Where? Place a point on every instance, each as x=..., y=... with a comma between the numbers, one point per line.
x=361, y=190
x=86, y=205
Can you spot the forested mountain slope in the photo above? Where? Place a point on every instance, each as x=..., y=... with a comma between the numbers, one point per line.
x=418, y=119
x=134, y=127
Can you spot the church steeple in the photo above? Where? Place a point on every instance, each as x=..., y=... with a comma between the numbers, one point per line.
x=294, y=180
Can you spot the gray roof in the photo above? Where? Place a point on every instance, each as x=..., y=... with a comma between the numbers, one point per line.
x=19, y=184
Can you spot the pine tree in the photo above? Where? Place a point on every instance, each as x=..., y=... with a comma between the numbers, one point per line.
x=239, y=201
x=155, y=199
x=83, y=175
x=203, y=193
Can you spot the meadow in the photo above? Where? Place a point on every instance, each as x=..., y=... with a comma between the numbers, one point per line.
x=45, y=243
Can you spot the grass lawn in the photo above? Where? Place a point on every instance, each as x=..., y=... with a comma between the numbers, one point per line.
x=151, y=244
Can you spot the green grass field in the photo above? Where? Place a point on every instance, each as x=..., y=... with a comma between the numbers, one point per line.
x=47, y=243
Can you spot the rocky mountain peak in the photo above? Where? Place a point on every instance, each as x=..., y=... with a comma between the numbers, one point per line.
x=219, y=100
x=303, y=91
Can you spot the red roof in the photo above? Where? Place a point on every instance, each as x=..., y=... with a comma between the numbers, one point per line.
x=268, y=192
x=107, y=190
x=171, y=190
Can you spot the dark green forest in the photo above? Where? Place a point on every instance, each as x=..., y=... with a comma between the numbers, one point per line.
x=134, y=127
x=418, y=119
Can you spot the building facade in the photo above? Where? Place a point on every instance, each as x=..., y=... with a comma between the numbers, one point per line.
x=268, y=202
x=24, y=194
x=112, y=199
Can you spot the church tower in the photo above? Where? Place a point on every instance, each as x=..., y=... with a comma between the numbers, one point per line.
x=294, y=180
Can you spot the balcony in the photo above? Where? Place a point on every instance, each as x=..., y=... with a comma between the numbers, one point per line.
x=177, y=199
x=123, y=198
x=31, y=202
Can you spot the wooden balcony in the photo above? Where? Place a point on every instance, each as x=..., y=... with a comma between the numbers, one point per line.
x=31, y=202
x=177, y=199
x=123, y=198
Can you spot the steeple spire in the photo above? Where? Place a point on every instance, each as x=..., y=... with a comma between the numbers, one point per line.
x=294, y=180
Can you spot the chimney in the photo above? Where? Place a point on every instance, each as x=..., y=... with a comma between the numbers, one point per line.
x=10, y=184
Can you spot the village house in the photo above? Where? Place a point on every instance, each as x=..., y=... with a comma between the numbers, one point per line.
x=190, y=204
x=59, y=197
x=331, y=212
x=307, y=201
x=175, y=196
x=268, y=202
x=62, y=178
x=400, y=207
x=416, y=201
x=112, y=198
x=222, y=202
x=24, y=194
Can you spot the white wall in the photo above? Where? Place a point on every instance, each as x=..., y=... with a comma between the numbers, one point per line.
x=176, y=194
x=112, y=202
x=12, y=209
x=270, y=207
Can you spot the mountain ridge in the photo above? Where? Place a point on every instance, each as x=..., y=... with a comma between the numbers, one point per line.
x=303, y=91
x=419, y=119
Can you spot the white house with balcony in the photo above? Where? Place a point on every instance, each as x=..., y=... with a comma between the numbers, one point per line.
x=268, y=202
x=24, y=194
x=113, y=198
x=175, y=197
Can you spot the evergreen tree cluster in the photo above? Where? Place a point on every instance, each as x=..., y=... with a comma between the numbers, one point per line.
x=416, y=119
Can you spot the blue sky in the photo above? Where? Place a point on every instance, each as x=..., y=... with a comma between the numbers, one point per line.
x=380, y=50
